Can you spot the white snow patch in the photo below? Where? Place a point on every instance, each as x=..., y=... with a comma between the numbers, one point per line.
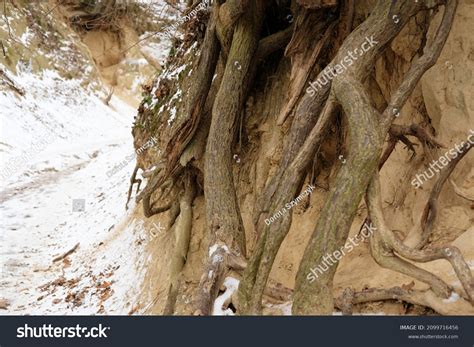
x=172, y=116
x=231, y=284
x=56, y=144
x=453, y=298
x=157, y=51
x=215, y=247
x=174, y=74
x=285, y=307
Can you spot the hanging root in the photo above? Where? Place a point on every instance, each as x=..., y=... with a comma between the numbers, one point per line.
x=430, y=211
x=387, y=250
x=182, y=235
x=133, y=180
x=400, y=132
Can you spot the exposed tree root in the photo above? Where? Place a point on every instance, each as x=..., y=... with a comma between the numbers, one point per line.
x=182, y=235
x=304, y=55
x=228, y=14
x=224, y=222
x=174, y=213
x=330, y=234
x=256, y=274
x=423, y=298
x=284, y=185
x=309, y=106
x=231, y=50
x=211, y=280
x=196, y=101
x=430, y=211
x=273, y=43
x=149, y=208
x=133, y=180
x=202, y=80
x=385, y=243
x=197, y=146
x=365, y=144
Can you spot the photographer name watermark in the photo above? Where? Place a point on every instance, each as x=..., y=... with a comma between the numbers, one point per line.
x=289, y=205
x=123, y=164
x=171, y=31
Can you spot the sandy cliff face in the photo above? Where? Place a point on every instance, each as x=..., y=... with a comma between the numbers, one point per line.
x=443, y=102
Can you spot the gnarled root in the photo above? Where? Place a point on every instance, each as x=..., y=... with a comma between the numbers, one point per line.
x=330, y=234
x=423, y=298
x=224, y=222
x=387, y=250
x=182, y=235
x=430, y=211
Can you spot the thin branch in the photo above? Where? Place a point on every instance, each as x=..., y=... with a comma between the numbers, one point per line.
x=64, y=255
x=417, y=69
x=430, y=211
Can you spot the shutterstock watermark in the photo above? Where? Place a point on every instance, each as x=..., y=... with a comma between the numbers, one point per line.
x=328, y=260
x=439, y=164
x=15, y=164
x=289, y=205
x=152, y=233
x=47, y=330
x=329, y=74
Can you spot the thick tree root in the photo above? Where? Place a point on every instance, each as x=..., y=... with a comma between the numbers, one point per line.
x=224, y=222
x=182, y=235
x=423, y=298
x=202, y=80
x=256, y=275
x=354, y=177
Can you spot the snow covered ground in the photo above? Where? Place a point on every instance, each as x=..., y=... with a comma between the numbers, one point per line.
x=57, y=143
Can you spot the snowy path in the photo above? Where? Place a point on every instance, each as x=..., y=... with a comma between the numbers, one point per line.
x=37, y=218
x=38, y=224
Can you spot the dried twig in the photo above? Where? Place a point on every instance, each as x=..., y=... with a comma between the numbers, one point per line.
x=72, y=250
x=11, y=83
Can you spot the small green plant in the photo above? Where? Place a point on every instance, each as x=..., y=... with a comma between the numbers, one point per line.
x=172, y=52
x=147, y=99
